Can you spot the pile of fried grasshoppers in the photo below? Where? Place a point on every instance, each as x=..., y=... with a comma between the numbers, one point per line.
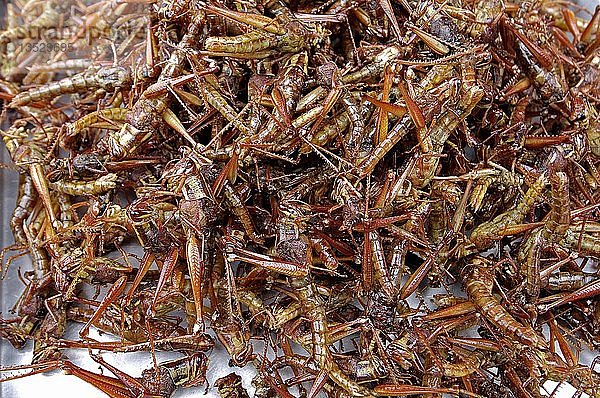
x=293, y=181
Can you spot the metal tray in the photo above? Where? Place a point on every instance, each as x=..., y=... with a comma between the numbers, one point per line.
x=59, y=385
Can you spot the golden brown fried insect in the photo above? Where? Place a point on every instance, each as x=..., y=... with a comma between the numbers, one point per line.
x=552, y=232
x=311, y=305
x=568, y=281
x=489, y=231
x=230, y=386
x=241, y=212
x=26, y=201
x=97, y=117
x=281, y=34
x=96, y=187
x=150, y=113
x=107, y=78
x=210, y=93
x=478, y=284
x=163, y=380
